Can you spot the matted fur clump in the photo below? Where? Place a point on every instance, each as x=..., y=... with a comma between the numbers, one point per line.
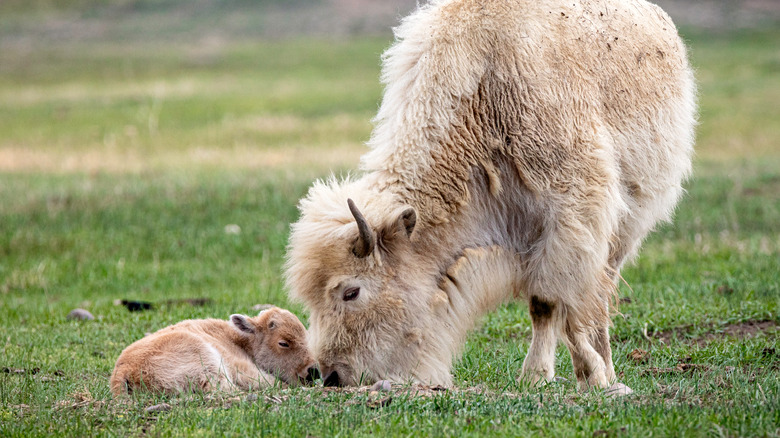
x=523, y=150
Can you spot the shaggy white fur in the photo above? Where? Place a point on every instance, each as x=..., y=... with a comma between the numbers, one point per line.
x=534, y=142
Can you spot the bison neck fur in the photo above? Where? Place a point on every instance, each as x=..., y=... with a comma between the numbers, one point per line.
x=538, y=143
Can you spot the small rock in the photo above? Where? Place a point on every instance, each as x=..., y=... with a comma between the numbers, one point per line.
x=79, y=314
x=232, y=229
x=618, y=389
x=251, y=398
x=162, y=407
x=382, y=385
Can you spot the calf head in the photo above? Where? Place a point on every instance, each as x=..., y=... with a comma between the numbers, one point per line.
x=363, y=284
x=278, y=343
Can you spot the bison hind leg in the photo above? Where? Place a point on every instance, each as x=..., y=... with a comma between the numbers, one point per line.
x=582, y=328
x=591, y=354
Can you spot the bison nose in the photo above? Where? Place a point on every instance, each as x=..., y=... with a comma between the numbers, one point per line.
x=332, y=379
x=312, y=374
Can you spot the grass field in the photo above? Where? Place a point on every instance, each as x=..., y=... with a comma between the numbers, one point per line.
x=121, y=165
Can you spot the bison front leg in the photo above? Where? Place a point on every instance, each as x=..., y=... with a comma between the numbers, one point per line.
x=539, y=363
x=247, y=376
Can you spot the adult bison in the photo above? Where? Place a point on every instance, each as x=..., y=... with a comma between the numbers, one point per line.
x=523, y=150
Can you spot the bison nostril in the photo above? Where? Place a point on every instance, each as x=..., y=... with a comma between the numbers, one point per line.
x=312, y=374
x=332, y=379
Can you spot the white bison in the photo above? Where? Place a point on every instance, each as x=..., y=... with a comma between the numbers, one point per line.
x=211, y=354
x=534, y=143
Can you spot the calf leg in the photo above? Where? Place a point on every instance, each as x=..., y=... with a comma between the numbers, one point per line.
x=247, y=376
x=539, y=363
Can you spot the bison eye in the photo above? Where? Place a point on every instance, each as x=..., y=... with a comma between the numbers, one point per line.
x=284, y=344
x=351, y=293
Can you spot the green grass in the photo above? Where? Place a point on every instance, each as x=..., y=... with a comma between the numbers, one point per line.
x=122, y=164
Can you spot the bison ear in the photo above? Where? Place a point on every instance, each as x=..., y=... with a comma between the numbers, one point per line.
x=243, y=324
x=407, y=220
x=400, y=225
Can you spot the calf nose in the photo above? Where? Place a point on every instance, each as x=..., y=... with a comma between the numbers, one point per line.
x=332, y=379
x=312, y=374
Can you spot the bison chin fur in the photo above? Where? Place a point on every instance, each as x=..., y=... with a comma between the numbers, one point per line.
x=523, y=150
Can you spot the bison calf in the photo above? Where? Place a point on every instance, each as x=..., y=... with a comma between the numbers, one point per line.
x=210, y=354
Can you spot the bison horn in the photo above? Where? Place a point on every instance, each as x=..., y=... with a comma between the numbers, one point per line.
x=365, y=242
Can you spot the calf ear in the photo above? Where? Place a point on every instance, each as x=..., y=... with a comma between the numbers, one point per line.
x=242, y=323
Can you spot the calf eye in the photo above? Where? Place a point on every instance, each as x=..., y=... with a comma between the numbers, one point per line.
x=351, y=293
x=284, y=344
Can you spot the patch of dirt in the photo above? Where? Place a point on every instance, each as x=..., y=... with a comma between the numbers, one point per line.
x=742, y=330
x=79, y=399
x=681, y=368
x=609, y=432
x=639, y=356
x=8, y=370
x=36, y=371
x=749, y=329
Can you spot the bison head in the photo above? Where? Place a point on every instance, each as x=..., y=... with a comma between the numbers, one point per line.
x=353, y=263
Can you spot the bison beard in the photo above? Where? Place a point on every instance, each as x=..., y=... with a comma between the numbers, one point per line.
x=522, y=151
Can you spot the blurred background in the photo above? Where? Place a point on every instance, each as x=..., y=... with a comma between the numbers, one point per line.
x=157, y=148
x=129, y=85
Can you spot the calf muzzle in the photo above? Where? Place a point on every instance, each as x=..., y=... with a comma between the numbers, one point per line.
x=312, y=374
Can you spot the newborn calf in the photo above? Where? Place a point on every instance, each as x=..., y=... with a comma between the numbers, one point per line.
x=211, y=354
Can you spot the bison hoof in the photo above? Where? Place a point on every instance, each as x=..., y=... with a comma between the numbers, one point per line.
x=618, y=390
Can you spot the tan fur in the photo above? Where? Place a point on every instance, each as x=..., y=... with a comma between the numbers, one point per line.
x=212, y=354
x=557, y=131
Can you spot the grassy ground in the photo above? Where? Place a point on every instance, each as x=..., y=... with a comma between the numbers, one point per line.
x=121, y=165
